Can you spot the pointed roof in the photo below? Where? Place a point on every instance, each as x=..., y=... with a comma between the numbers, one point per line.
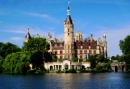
x=68, y=18
x=28, y=34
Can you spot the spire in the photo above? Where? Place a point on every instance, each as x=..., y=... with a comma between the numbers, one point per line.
x=68, y=10
x=68, y=19
x=28, y=34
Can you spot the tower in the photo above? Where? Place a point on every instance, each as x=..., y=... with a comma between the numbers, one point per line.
x=78, y=36
x=68, y=36
x=27, y=37
x=105, y=46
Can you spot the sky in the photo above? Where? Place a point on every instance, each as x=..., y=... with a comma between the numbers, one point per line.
x=97, y=17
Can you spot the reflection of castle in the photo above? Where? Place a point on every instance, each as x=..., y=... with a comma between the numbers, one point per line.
x=74, y=46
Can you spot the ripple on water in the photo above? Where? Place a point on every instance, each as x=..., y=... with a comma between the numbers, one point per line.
x=66, y=81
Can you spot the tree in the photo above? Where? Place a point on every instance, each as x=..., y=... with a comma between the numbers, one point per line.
x=125, y=47
x=38, y=47
x=36, y=44
x=17, y=63
x=8, y=48
x=92, y=60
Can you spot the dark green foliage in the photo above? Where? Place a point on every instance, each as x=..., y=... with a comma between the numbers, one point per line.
x=47, y=56
x=16, y=63
x=8, y=48
x=71, y=71
x=125, y=45
x=37, y=59
x=35, y=44
x=1, y=63
x=92, y=60
x=75, y=59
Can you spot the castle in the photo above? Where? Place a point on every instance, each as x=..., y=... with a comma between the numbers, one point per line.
x=73, y=46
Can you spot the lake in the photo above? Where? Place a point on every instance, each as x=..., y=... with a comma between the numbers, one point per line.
x=66, y=81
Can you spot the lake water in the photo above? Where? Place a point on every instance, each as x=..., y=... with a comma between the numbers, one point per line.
x=66, y=81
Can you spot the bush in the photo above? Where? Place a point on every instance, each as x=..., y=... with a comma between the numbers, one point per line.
x=71, y=71
x=40, y=72
x=84, y=71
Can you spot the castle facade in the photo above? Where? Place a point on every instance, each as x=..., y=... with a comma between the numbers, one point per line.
x=73, y=46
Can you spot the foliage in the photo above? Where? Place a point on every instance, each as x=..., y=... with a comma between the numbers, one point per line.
x=75, y=59
x=125, y=47
x=16, y=63
x=37, y=59
x=92, y=60
x=103, y=67
x=8, y=48
x=71, y=71
x=1, y=63
x=35, y=44
x=47, y=56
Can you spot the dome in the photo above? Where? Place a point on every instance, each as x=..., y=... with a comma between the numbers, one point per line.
x=78, y=36
x=78, y=33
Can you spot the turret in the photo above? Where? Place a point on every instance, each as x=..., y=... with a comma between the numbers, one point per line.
x=27, y=37
x=68, y=36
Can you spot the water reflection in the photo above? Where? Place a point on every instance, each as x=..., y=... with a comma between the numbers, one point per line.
x=66, y=81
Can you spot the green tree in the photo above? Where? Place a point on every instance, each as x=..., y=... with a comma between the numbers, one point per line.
x=75, y=59
x=1, y=63
x=38, y=47
x=36, y=44
x=125, y=47
x=17, y=63
x=92, y=60
x=8, y=48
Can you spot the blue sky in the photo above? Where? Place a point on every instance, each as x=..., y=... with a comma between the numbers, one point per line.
x=96, y=17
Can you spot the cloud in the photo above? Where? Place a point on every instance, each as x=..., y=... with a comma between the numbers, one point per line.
x=45, y=16
x=114, y=35
x=16, y=38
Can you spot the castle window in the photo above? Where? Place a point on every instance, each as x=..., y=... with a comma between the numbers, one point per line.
x=94, y=51
x=68, y=33
x=55, y=52
x=61, y=57
x=90, y=51
x=68, y=30
x=80, y=51
x=60, y=52
x=80, y=57
x=85, y=52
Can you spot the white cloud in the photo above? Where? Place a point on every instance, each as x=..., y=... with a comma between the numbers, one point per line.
x=16, y=38
x=114, y=35
x=45, y=16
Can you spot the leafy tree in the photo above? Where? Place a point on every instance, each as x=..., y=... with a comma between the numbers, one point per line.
x=38, y=48
x=37, y=59
x=1, y=63
x=125, y=47
x=92, y=60
x=36, y=44
x=8, y=48
x=75, y=59
x=16, y=63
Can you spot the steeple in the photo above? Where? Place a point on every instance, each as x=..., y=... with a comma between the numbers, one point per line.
x=68, y=18
x=68, y=10
x=27, y=37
